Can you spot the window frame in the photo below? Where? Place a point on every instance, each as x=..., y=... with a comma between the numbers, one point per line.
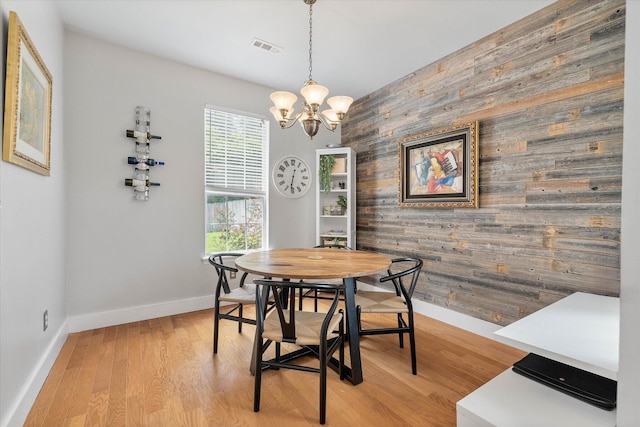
x=217, y=190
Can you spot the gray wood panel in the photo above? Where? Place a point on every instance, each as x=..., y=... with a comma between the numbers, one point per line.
x=548, y=94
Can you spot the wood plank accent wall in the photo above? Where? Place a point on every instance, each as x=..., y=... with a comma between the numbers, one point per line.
x=548, y=94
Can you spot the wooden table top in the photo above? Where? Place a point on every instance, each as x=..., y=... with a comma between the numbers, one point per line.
x=313, y=263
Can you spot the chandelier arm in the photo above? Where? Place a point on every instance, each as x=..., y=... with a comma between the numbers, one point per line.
x=287, y=123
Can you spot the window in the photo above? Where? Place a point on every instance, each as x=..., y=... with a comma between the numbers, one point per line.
x=235, y=151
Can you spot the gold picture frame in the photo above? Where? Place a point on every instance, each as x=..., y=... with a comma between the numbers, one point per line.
x=439, y=169
x=27, y=108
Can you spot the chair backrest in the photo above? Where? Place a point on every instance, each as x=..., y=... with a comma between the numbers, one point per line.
x=284, y=295
x=334, y=246
x=405, y=280
x=217, y=260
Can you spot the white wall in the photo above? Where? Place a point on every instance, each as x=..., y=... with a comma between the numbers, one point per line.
x=122, y=253
x=32, y=234
x=629, y=371
x=146, y=257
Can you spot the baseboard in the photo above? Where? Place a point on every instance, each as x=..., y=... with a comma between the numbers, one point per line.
x=134, y=314
x=104, y=319
x=16, y=415
x=462, y=321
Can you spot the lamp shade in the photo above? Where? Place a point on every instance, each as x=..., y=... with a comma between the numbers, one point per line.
x=283, y=100
x=340, y=104
x=331, y=116
x=314, y=93
x=278, y=115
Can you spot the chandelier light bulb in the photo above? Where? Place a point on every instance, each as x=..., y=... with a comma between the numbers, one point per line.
x=283, y=100
x=331, y=116
x=277, y=114
x=314, y=93
x=340, y=104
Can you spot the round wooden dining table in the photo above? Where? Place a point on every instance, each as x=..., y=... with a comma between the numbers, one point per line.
x=318, y=264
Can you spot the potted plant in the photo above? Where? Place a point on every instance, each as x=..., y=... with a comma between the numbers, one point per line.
x=324, y=171
x=342, y=202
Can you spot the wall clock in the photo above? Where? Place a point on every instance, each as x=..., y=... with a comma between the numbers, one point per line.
x=291, y=176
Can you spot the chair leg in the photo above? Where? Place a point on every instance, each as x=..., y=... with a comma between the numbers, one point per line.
x=400, y=334
x=258, y=376
x=240, y=321
x=412, y=343
x=341, y=370
x=216, y=321
x=323, y=383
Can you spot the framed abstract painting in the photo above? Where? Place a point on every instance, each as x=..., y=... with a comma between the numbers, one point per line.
x=439, y=169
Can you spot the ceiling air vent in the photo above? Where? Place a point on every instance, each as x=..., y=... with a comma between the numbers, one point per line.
x=266, y=46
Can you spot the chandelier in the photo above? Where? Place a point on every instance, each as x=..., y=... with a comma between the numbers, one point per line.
x=314, y=95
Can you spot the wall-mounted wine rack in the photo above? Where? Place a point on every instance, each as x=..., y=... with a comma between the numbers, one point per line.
x=141, y=161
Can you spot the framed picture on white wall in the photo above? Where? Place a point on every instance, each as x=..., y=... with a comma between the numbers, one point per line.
x=27, y=120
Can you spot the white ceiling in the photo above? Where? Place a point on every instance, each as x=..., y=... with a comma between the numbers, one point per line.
x=358, y=46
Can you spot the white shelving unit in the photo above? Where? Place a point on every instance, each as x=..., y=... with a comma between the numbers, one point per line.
x=332, y=226
x=581, y=330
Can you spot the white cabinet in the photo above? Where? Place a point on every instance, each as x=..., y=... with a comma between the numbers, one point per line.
x=581, y=330
x=511, y=400
x=335, y=225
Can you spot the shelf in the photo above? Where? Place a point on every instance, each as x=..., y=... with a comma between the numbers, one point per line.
x=513, y=400
x=343, y=186
x=581, y=330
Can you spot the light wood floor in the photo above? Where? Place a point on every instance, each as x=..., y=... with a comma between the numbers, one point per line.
x=162, y=372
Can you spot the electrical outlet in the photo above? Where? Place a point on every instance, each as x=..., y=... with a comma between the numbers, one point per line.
x=232, y=275
x=45, y=320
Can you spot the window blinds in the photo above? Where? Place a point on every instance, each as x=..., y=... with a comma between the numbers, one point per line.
x=234, y=151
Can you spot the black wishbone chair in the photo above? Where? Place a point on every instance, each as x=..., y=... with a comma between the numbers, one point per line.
x=237, y=297
x=314, y=293
x=398, y=302
x=321, y=333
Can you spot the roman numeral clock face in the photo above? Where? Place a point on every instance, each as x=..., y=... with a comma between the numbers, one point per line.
x=291, y=176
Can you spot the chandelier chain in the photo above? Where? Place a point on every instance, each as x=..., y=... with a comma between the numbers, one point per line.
x=310, y=38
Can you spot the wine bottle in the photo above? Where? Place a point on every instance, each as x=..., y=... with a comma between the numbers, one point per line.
x=131, y=182
x=144, y=135
x=138, y=160
x=141, y=193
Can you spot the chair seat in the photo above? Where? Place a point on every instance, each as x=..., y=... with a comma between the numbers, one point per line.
x=242, y=295
x=380, y=302
x=308, y=325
